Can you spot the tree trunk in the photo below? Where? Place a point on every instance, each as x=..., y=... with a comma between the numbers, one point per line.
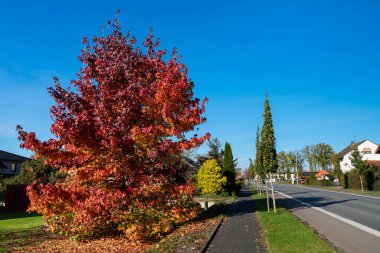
x=273, y=198
x=266, y=187
x=361, y=182
x=259, y=184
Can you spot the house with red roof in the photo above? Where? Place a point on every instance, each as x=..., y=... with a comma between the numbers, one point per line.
x=322, y=175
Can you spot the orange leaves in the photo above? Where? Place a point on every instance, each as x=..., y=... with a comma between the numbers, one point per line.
x=119, y=136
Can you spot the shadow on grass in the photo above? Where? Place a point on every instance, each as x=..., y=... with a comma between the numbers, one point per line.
x=12, y=239
x=261, y=204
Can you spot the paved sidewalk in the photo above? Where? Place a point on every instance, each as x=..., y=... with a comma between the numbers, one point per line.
x=240, y=231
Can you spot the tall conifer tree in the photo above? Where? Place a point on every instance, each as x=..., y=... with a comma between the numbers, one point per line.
x=251, y=169
x=229, y=168
x=215, y=152
x=259, y=155
x=268, y=141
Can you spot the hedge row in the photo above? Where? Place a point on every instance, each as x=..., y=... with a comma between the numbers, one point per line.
x=371, y=179
x=312, y=180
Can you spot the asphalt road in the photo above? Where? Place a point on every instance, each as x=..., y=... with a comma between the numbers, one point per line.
x=363, y=210
x=352, y=233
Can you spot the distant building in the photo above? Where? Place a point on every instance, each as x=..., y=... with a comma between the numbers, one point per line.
x=10, y=164
x=322, y=175
x=369, y=150
x=306, y=174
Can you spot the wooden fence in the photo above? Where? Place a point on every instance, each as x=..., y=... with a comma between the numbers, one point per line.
x=14, y=198
x=2, y=200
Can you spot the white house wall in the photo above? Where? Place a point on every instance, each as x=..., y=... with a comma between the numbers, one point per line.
x=346, y=164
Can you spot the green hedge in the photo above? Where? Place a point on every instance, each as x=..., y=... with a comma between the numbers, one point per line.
x=312, y=180
x=324, y=182
x=371, y=179
x=238, y=185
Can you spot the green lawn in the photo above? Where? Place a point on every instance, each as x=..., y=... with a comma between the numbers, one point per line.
x=18, y=228
x=285, y=233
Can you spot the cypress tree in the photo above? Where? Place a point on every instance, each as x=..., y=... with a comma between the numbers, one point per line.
x=229, y=168
x=268, y=141
x=251, y=169
x=259, y=155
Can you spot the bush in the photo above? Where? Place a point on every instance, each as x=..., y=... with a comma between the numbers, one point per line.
x=312, y=180
x=376, y=185
x=238, y=185
x=331, y=178
x=354, y=180
x=324, y=182
x=369, y=179
x=345, y=181
x=210, y=180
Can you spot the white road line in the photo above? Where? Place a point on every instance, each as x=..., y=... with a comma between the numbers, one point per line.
x=352, y=194
x=333, y=215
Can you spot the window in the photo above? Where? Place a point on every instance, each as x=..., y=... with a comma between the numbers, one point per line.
x=14, y=166
x=367, y=151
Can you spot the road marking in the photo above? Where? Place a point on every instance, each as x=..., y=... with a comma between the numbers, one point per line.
x=352, y=194
x=338, y=217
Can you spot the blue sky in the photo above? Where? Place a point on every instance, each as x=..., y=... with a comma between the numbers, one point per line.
x=319, y=61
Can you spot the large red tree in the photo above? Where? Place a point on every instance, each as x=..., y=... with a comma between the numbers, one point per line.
x=120, y=131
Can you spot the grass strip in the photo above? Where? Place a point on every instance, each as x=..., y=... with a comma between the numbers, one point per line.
x=17, y=229
x=285, y=233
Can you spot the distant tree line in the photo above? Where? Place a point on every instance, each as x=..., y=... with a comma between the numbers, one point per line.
x=318, y=157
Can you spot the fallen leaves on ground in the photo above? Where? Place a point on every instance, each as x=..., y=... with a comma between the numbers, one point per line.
x=105, y=244
x=190, y=237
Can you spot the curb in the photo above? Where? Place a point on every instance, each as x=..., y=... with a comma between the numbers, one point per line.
x=205, y=247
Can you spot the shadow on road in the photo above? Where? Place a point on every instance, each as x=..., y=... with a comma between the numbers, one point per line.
x=314, y=201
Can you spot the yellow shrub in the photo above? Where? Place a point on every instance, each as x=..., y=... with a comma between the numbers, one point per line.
x=210, y=179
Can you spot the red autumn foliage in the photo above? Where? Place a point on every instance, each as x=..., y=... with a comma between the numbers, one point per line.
x=120, y=130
